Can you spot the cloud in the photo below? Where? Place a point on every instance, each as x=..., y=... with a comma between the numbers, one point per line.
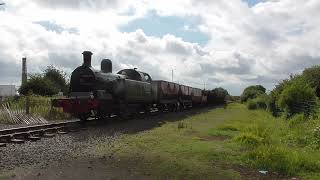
x=258, y=44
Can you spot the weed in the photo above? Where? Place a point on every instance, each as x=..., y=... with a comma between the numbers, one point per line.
x=249, y=139
x=228, y=127
x=181, y=125
x=281, y=159
x=297, y=119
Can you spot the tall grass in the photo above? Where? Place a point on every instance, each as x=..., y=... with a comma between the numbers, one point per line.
x=287, y=146
x=38, y=106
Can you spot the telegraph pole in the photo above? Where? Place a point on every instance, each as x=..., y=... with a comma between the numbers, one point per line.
x=172, y=75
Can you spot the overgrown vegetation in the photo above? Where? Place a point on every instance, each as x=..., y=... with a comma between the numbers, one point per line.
x=295, y=95
x=50, y=82
x=252, y=92
x=260, y=102
x=39, y=106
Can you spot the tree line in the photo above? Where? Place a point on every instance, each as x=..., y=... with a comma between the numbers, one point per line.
x=297, y=94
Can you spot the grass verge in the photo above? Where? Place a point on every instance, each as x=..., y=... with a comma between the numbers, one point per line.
x=217, y=143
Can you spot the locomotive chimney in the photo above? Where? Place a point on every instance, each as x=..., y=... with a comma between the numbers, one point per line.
x=106, y=66
x=24, y=71
x=87, y=58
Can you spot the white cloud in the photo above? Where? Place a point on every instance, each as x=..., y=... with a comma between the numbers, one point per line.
x=261, y=44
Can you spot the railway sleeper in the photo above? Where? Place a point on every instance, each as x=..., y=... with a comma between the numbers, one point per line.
x=3, y=144
x=33, y=138
x=5, y=138
x=49, y=135
x=17, y=141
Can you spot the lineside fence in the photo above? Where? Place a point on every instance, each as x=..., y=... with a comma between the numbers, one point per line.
x=30, y=110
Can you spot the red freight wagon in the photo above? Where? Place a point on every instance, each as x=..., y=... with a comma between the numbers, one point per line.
x=204, y=98
x=196, y=96
x=185, y=96
x=165, y=92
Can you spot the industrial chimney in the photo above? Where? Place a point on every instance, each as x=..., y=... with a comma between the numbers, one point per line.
x=24, y=71
x=87, y=58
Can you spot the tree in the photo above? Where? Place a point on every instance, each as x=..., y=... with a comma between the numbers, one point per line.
x=312, y=76
x=252, y=92
x=49, y=83
x=58, y=77
x=276, y=92
x=39, y=85
x=297, y=97
x=217, y=96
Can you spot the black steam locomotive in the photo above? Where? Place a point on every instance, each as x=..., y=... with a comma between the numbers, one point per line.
x=101, y=93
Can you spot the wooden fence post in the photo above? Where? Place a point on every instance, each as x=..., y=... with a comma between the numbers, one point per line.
x=27, y=104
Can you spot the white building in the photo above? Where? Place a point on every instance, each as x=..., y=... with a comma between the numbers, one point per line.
x=7, y=90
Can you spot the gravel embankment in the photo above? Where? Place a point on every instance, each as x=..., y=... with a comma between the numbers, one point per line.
x=67, y=147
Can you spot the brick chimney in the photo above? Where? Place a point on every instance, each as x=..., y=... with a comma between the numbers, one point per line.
x=24, y=71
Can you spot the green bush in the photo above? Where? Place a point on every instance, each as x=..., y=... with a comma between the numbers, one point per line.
x=39, y=85
x=48, y=83
x=297, y=119
x=252, y=92
x=276, y=92
x=297, y=97
x=261, y=102
x=312, y=76
x=58, y=77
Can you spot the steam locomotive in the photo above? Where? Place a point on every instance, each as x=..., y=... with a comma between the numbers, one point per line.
x=102, y=93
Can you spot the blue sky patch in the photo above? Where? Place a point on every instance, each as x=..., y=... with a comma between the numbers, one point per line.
x=252, y=3
x=158, y=26
x=52, y=26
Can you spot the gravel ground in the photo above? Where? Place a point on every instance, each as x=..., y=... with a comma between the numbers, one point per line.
x=75, y=146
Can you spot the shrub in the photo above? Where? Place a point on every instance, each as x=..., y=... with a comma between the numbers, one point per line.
x=252, y=92
x=49, y=83
x=276, y=92
x=261, y=102
x=298, y=97
x=58, y=77
x=39, y=85
x=312, y=76
x=297, y=119
x=251, y=104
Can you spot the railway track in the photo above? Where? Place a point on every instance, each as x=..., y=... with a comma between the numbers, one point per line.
x=35, y=132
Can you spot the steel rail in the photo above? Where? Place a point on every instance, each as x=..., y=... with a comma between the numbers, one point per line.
x=34, y=132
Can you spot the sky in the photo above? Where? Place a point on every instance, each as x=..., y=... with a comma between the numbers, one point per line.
x=230, y=44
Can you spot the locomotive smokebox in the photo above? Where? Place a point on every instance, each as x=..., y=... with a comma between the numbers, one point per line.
x=106, y=66
x=87, y=58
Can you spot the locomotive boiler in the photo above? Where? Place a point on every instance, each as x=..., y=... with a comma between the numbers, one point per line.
x=103, y=93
